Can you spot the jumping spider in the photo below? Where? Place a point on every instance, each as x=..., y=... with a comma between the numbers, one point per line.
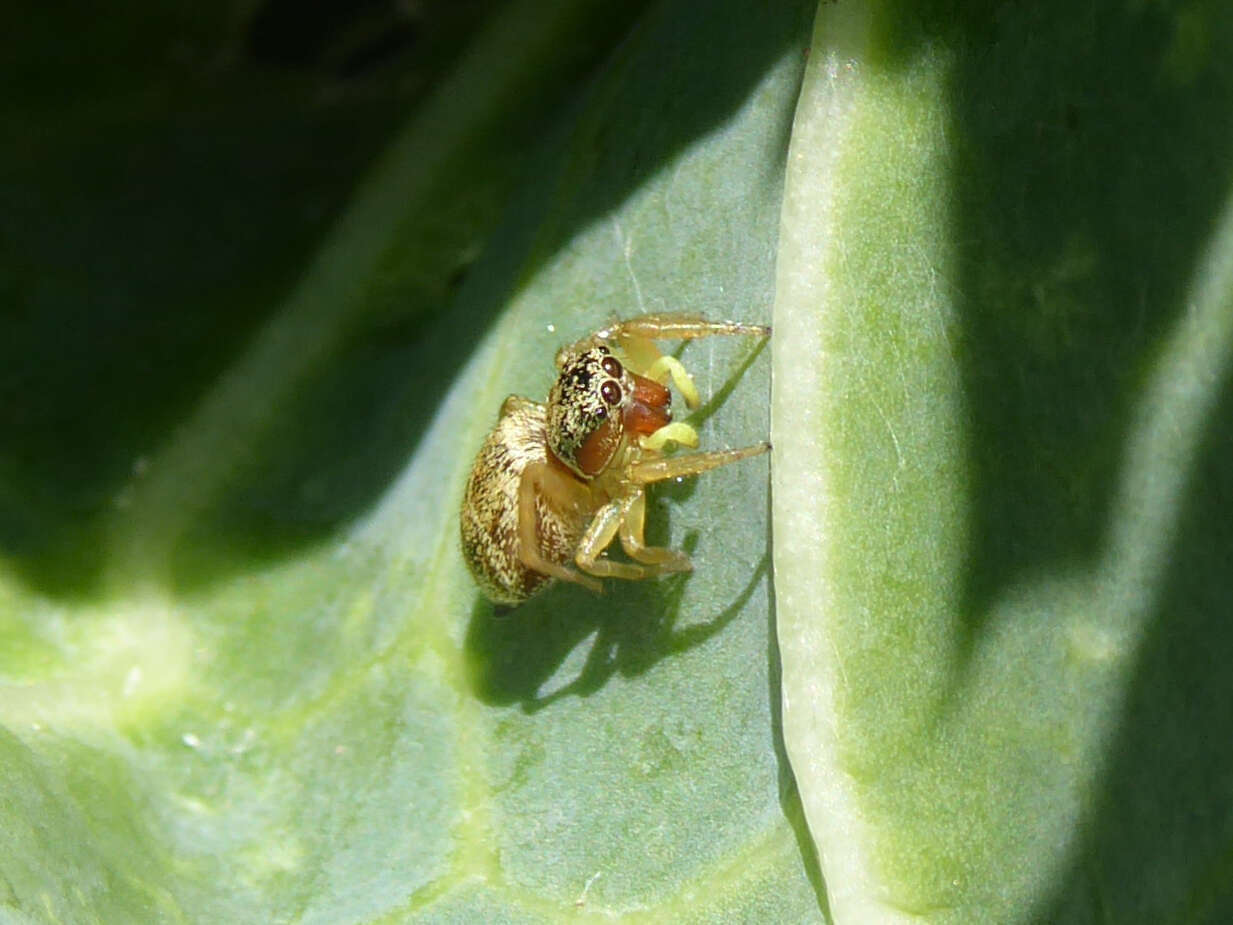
x=555, y=483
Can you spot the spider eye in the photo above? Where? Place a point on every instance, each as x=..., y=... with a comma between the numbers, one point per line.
x=611, y=392
x=612, y=367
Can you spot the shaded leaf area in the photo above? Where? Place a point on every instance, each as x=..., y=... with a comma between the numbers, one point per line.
x=1019, y=426
x=1118, y=165
x=329, y=462
x=1085, y=196
x=161, y=186
x=277, y=697
x=1163, y=803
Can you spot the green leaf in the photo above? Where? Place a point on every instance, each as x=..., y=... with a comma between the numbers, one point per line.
x=265, y=284
x=1002, y=497
x=245, y=675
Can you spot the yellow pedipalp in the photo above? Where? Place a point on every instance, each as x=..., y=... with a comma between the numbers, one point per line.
x=667, y=366
x=676, y=432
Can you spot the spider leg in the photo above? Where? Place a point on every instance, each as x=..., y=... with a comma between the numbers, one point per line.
x=515, y=404
x=678, y=326
x=659, y=468
x=634, y=544
x=541, y=479
x=603, y=530
x=636, y=336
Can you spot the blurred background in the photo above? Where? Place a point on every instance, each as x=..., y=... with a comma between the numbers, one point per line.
x=166, y=172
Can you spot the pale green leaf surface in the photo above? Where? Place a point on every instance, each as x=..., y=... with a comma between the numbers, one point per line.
x=1002, y=494
x=272, y=692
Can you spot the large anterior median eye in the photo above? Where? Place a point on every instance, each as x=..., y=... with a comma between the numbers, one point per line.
x=610, y=391
x=612, y=367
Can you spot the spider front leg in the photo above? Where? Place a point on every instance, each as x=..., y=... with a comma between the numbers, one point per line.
x=625, y=515
x=636, y=336
x=678, y=326
x=660, y=468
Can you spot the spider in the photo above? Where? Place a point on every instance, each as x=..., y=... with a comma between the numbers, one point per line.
x=554, y=484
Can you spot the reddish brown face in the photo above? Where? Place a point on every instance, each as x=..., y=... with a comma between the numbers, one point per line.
x=646, y=410
x=595, y=402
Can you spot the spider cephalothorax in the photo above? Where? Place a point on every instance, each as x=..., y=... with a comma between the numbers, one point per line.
x=594, y=403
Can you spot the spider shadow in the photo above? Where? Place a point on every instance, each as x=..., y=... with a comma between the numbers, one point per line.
x=514, y=653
